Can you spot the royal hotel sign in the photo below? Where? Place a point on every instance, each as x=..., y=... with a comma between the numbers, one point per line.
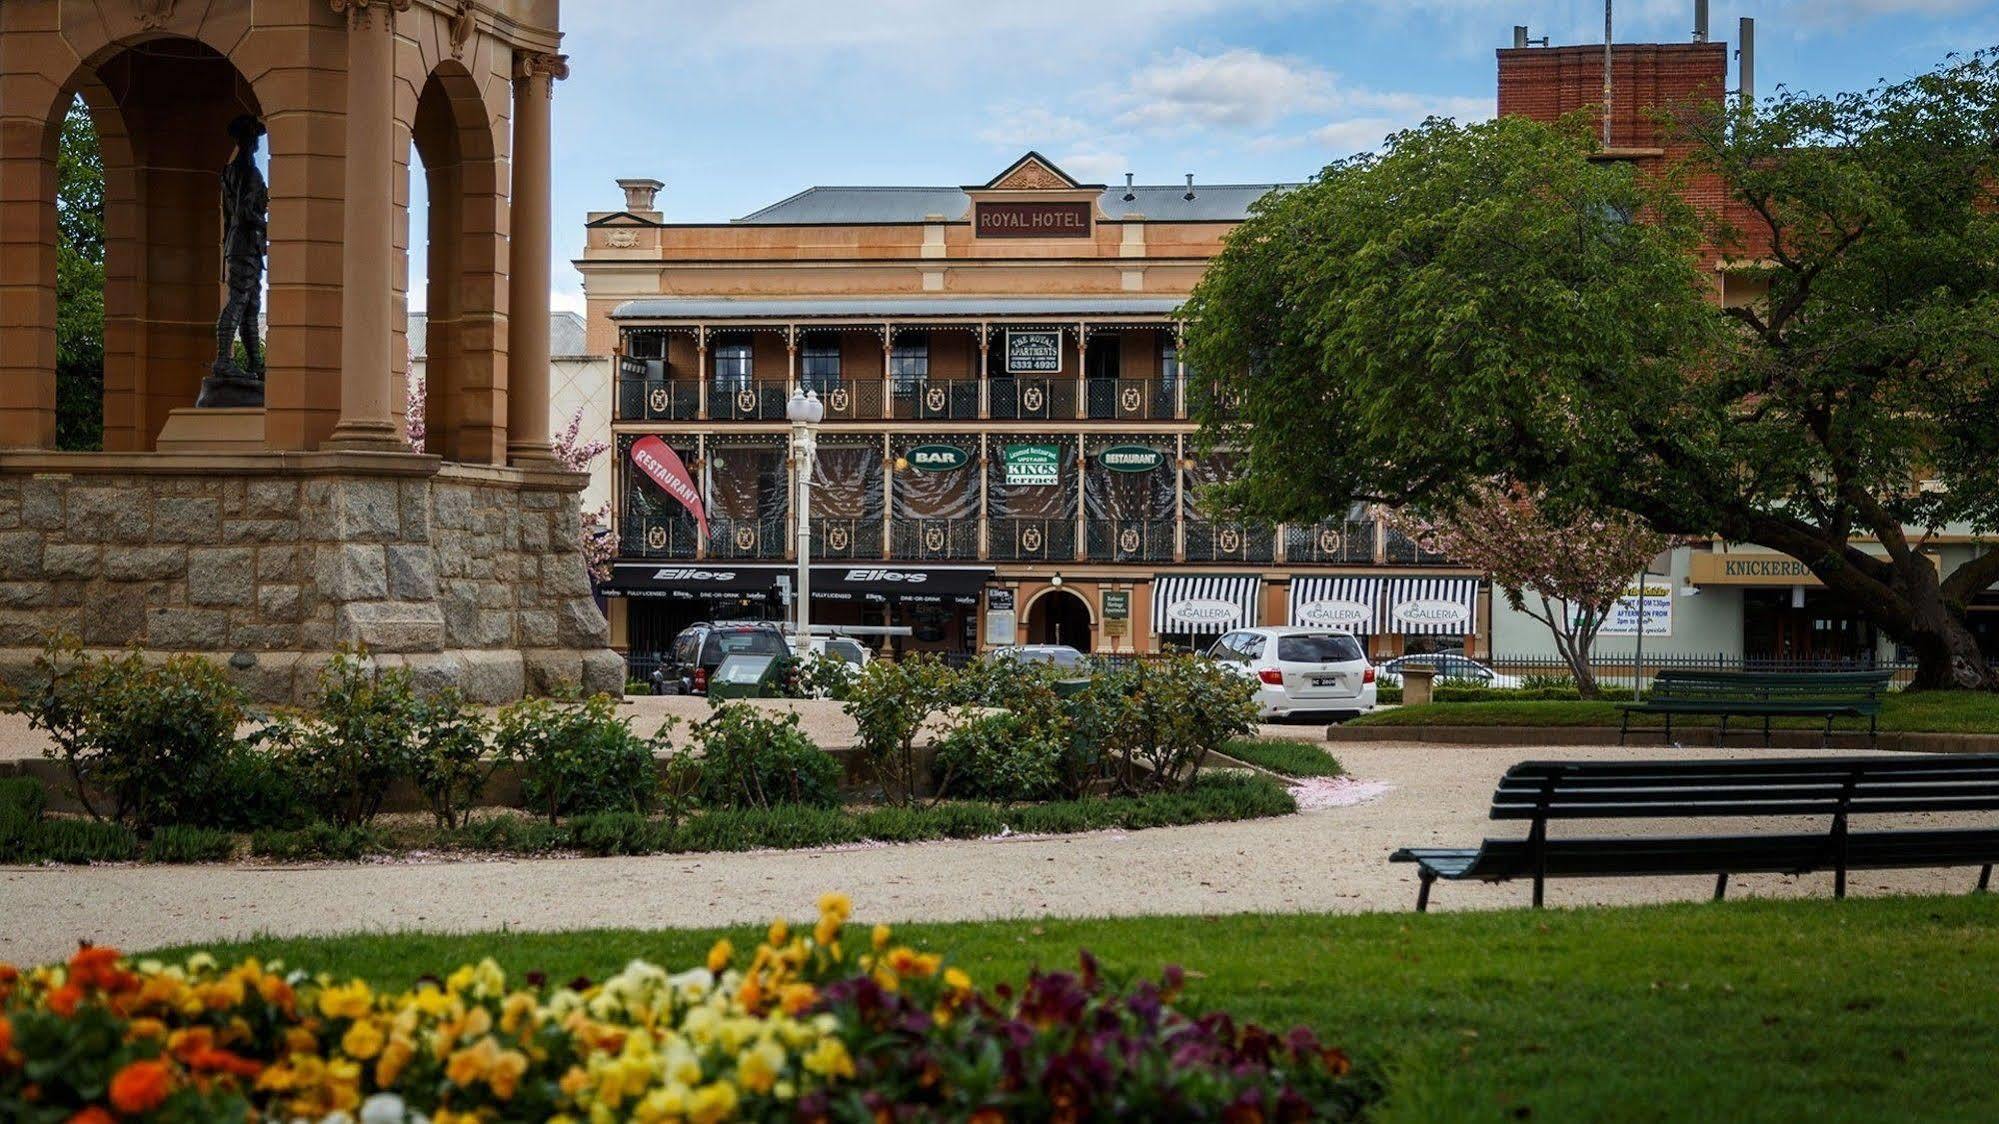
x=1031, y=219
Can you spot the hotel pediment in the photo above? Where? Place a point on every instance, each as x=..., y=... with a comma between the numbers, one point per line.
x=1033, y=172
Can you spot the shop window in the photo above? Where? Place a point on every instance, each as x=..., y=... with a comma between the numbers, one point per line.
x=733, y=367
x=819, y=362
x=909, y=363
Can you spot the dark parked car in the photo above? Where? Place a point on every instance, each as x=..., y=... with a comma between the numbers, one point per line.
x=701, y=648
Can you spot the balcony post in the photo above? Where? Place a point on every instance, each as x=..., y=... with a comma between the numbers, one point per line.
x=790, y=358
x=888, y=497
x=701, y=455
x=985, y=386
x=888, y=373
x=1180, y=497
x=1082, y=550
x=701, y=373
x=985, y=535
x=1082, y=372
x=1179, y=369
x=1380, y=534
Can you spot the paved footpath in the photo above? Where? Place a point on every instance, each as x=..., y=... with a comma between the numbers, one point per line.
x=1331, y=860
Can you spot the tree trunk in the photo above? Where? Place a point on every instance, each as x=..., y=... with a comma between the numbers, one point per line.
x=1585, y=677
x=1947, y=655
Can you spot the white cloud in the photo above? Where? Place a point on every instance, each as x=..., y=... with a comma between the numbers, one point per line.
x=1032, y=126
x=1239, y=88
x=1093, y=165
x=565, y=300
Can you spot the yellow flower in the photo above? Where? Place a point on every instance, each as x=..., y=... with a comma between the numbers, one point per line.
x=830, y=1059
x=712, y=1103
x=520, y=1010
x=780, y=932
x=505, y=1076
x=472, y=1063
x=881, y=937
x=957, y=980
x=795, y=998
x=396, y=1057
x=720, y=955
x=836, y=904
x=363, y=1040
x=757, y=1067
x=348, y=1002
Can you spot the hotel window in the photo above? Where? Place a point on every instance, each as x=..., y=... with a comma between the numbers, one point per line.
x=732, y=365
x=1169, y=358
x=909, y=363
x=819, y=362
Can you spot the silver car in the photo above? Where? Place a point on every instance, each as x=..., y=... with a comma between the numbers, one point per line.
x=1301, y=670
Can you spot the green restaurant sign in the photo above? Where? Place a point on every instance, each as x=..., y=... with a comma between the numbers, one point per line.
x=1032, y=465
x=937, y=458
x=1131, y=458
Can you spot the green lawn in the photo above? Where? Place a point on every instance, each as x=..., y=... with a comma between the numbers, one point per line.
x=1863, y=1010
x=1943, y=712
x=1285, y=755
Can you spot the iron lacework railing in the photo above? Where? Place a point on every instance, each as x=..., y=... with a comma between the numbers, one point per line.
x=1129, y=540
x=1034, y=399
x=1031, y=540
x=924, y=539
x=1129, y=399
x=1322, y=544
x=1230, y=542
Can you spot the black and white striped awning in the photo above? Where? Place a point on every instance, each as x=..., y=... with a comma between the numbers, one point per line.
x=1431, y=606
x=1347, y=604
x=1203, y=603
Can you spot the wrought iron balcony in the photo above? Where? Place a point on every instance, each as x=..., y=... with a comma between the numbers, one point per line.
x=751, y=400
x=1349, y=542
x=1129, y=540
x=844, y=539
x=1129, y=399
x=1031, y=540
x=657, y=536
x=1230, y=542
x=923, y=539
x=943, y=400
x=746, y=538
x=645, y=393
x=1400, y=548
x=1034, y=399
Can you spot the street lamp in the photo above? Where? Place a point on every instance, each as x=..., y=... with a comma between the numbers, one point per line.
x=805, y=411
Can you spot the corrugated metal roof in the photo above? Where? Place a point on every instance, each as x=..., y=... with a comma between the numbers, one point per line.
x=1157, y=202
x=565, y=334
x=729, y=308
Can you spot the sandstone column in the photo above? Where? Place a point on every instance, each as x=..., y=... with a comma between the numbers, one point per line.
x=367, y=285
x=528, y=256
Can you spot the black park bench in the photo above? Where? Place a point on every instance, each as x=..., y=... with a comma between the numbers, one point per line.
x=1765, y=695
x=1836, y=788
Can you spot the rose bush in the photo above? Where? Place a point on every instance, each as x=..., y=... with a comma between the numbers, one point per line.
x=810, y=1026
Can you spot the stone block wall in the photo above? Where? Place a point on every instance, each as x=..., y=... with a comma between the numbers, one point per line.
x=271, y=563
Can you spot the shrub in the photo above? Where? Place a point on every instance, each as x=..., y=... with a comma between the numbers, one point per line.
x=577, y=757
x=449, y=764
x=359, y=741
x=257, y=789
x=1004, y=756
x=637, y=687
x=21, y=803
x=319, y=841
x=617, y=833
x=889, y=703
x=1159, y=718
x=80, y=841
x=509, y=833
x=144, y=741
x=178, y=844
x=751, y=758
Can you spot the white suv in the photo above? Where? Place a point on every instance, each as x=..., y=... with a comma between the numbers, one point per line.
x=1301, y=670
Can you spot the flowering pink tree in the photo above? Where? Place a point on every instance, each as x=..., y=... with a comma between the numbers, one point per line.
x=1566, y=573
x=571, y=451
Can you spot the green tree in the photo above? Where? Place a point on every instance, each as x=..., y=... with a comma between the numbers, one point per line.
x=79, y=283
x=1485, y=302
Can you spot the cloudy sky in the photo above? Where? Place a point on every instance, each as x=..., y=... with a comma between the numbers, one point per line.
x=738, y=104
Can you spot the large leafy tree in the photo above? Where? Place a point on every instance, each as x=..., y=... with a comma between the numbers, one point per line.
x=1487, y=301
x=79, y=283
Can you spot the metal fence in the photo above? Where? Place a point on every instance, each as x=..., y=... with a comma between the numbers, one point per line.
x=1614, y=670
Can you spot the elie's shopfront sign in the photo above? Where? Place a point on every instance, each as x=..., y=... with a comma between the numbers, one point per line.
x=1031, y=220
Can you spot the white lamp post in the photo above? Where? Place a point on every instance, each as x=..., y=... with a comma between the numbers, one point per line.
x=805, y=411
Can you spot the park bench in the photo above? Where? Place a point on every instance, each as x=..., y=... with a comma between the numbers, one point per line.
x=1837, y=788
x=1765, y=695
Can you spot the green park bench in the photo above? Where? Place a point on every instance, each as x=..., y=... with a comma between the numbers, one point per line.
x=1541, y=792
x=1765, y=695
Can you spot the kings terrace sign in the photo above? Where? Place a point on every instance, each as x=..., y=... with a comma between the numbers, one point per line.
x=1025, y=219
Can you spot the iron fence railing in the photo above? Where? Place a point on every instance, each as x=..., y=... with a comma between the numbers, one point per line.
x=649, y=398
x=649, y=536
x=755, y=400
x=1330, y=543
x=1031, y=540
x=844, y=539
x=1400, y=548
x=1613, y=670
x=746, y=538
x=1129, y=540
x=1230, y=542
x=1129, y=399
x=917, y=539
x=938, y=401
x=1019, y=399
x=852, y=401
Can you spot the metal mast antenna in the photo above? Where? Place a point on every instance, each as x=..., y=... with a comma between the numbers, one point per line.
x=1606, y=73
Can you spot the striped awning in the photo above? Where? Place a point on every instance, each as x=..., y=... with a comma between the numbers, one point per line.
x=1431, y=606
x=1347, y=604
x=1203, y=603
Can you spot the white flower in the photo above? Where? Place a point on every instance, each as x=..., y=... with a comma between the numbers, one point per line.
x=384, y=1108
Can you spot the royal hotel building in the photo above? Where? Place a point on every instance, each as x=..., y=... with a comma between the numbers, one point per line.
x=1005, y=457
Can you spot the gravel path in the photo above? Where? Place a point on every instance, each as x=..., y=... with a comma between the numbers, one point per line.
x=1332, y=860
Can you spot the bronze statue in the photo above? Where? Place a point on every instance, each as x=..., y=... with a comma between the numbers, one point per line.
x=245, y=203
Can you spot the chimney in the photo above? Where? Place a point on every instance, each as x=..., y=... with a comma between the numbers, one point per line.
x=1190, y=186
x=1519, y=36
x=639, y=195
x=1129, y=194
x=1700, y=21
x=1745, y=50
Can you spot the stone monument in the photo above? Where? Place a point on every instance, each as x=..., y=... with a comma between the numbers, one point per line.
x=246, y=202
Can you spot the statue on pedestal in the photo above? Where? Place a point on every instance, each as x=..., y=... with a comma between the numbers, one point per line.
x=246, y=201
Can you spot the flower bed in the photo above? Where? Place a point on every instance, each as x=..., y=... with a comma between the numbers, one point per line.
x=811, y=1026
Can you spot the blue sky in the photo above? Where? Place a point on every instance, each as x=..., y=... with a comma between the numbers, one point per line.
x=738, y=103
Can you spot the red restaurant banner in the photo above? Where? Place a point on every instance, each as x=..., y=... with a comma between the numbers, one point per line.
x=662, y=466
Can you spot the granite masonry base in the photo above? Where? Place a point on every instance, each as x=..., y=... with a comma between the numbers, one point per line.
x=271, y=563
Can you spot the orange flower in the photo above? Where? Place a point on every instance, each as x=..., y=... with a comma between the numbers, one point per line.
x=93, y=966
x=6, y=1037
x=63, y=1000
x=140, y=1087
x=91, y=1115
x=988, y=1116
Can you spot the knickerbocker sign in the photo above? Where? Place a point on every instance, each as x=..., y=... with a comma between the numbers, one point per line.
x=1032, y=220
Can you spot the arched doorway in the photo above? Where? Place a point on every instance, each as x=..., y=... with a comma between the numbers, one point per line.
x=1059, y=617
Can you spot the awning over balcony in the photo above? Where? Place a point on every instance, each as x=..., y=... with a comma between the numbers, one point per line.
x=898, y=309
x=877, y=582
x=1346, y=604
x=1203, y=603
x=1432, y=606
